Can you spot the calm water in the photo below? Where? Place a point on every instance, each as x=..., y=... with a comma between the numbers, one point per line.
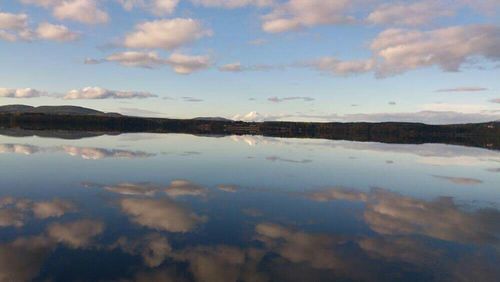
x=146, y=207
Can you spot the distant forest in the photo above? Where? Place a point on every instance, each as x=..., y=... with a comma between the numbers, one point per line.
x=485, y=135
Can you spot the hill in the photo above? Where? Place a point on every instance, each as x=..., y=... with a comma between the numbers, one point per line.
x=51, y=110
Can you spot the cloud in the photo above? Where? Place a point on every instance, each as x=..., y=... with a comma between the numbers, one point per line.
x=60, y=33
x=179, y=188
x=497, y=101
x=180, y=63
x=156, y=7
x=401, y=50
x=191, y=99
x=54, y=208
x=395, y=51
x=137, y=59
x=297, y=14
x=232, y=4
x=411, y=14
x=14, y=27
x=342, y=68
x=163, y=214
x=20, y=93
x=42, y=3
x=185, y=64
x=101, y=93
x=459, y=180
x=238, y=67
x=463, y=89
x=166, y=34
x=285, y=99
x=10, y=21
x=76, y=234
x=84, y=11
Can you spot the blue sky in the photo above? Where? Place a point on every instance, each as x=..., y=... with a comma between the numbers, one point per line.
x=322, y=60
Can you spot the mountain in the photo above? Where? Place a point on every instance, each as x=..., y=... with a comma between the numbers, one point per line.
x=52, y=110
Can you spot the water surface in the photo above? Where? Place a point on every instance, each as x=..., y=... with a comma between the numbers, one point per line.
x=175, y=207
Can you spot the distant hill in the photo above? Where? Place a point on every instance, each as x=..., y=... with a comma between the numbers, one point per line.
x=52, y=110
x=212, y=119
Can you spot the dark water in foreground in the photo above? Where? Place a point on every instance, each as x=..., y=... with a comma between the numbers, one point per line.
x=146, y=207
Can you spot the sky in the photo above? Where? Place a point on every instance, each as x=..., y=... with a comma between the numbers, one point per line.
x=303, y=60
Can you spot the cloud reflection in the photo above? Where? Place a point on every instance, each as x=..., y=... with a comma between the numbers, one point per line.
x=162, y=214
x=87, y=153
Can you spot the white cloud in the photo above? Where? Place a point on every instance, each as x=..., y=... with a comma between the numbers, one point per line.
x=232, y=4
x=463, y=89
x=285, y=99
x=497, y=100
x=296, y=14
x=462, y=108
x=84, y=11
x=137, y=59
x=166, y=34
x=157, y=7
x=14, y=27
x=342, y=68
x=42, y=3
x=411, y=14
x=13, y=21
x=20, y=93
x=49, y=31
x=101, y=93
x=238, y=67
x=180, y=63
x=400, y=50
x=186, y=64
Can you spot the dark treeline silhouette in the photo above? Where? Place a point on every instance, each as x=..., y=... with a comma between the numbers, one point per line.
x=485, y=135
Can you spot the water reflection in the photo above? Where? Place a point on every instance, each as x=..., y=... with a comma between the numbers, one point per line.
x=82, y=152
x=224, y=217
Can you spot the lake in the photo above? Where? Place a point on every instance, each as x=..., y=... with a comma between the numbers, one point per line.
x=178, y=207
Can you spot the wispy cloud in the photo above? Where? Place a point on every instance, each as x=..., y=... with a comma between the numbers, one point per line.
x=463, y=89
x=285, y=99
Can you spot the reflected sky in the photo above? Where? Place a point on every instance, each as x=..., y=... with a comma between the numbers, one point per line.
x=173, y=207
